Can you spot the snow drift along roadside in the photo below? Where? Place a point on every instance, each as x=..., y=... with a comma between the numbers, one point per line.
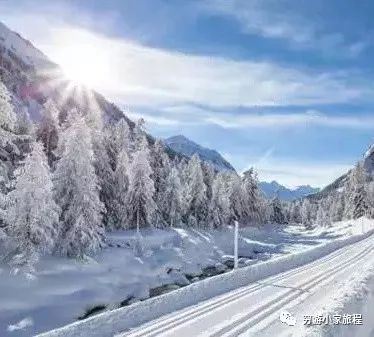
x=356, y=296
x=111, y=322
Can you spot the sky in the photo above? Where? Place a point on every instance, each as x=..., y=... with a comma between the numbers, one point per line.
x=283, y=86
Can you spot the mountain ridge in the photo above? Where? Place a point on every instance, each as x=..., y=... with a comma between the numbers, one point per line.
x=187, y=147
x=274, y=189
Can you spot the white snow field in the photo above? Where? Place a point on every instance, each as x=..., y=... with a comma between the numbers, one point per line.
x=248, y=301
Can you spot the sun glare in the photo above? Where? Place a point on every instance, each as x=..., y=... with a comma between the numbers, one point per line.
x=82, y=59
x=83, y=64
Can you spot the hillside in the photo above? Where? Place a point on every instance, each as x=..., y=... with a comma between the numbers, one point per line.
x=33, y=78
x=187, y=147
x=338, y=184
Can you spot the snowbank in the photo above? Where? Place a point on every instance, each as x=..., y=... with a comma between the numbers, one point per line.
x=64, y=290
x=356, y=296
x=109, y=323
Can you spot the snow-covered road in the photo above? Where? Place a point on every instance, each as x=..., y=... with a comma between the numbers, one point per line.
x=254, y=310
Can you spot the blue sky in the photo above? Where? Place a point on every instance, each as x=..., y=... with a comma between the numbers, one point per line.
x=284, y=86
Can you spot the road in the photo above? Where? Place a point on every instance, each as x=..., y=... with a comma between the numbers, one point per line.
x=254, y=310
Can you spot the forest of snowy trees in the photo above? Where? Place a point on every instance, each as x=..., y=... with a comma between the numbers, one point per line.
x=353, y=200
x=66, y=181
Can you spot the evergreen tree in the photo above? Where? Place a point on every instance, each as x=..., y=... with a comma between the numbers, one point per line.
x=305, y=212
x=121, y=186
x=8, y=136
x=356, y=194
x=77, y=191
x=237, y=205
x=370, y=196
x=208, y=177
x=161, y=166
x=31, y=212
x=172, y=201
x=277, y=215
x=295, y=209
x=219, y=210
x=140, y=203
x=251, y=196
x=322, y=217
x=337, y=209
x=118, y=138
x=24, y=124
x=102, y=164
x=195, y=192
x=48, y=130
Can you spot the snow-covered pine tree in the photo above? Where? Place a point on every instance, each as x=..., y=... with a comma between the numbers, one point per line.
x=209, y=177
x=219, y=209
x=102, y=164
x=8, y=137
x=24, y=124
x=32, y=214
x=118, y=209
x=77, y=191
x=237, y=205
x=195, y=192
x=172, y=201
x=356, y=204
x=140, y=203
x=336, y=211
x=305, y=212
x=322, y=218
x=251, y=196
x=370, y=195
x=294, y=212
x=48, y=130
x=139, y=136
x=277, y=215
x=161, y=166
x=118, y=138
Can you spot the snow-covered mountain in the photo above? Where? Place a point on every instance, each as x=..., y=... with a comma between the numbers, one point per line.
x=274, y=189
x=338, y=184
x=369, y=160
x=187, y=147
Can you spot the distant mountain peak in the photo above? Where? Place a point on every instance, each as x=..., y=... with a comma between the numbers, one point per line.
x=274, y=189
x=369, y=159
x=187, y=147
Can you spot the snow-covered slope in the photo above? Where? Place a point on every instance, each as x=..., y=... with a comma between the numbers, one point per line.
x=187, y=147
x=369, y=160
x=338, y=184
x=32, y=78
x=14, y=43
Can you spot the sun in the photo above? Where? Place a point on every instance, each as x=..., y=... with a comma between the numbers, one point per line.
x=83, y=58
x=84, y=64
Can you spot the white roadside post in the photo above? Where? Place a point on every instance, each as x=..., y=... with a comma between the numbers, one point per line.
x=236, y=236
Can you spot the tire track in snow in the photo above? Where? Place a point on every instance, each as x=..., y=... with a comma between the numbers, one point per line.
x=250, y=319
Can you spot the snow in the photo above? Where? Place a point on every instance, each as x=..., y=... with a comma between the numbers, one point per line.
x=22, y=324
x=355, y=296
x=369, y=159
x=23, y=48
x=187, y=147
x=120, y=274
x=274, y=189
